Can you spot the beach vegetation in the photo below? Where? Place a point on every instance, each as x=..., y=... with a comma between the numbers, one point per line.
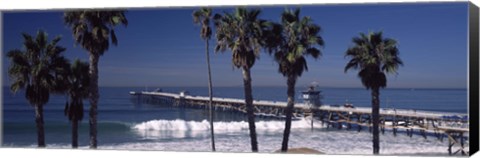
x=374, y=56
x=241, y=32
x=291, y=42
x=94, y=31
x=38, y=69
x=203, y=17
x=77, y=90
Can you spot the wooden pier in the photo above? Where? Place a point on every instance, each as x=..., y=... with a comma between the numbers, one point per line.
x=408, y=121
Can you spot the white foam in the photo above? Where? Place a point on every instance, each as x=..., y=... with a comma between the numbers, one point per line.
x=167, y=129
x=328, y=141
x=233, y=137
x=180, y=135
x=234, y=126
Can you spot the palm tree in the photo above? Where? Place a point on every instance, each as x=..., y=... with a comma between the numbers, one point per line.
x=93, y=30
x=241, y=33
x=38, y=69
x=373, y=56
x=203, y=17
x=291, y=42
x=78, y=84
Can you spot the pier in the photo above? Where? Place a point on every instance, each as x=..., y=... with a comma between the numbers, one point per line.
x=451, y=126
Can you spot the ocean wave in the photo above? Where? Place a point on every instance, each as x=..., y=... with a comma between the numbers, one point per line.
x=233, y=126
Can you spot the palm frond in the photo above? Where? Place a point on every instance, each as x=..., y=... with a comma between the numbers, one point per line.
x=292, y=40
x=374, y=56
x=242, y=33
x=94, y=29
x=38, y=68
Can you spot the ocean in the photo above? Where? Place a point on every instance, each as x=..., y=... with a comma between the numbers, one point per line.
x=128, y=125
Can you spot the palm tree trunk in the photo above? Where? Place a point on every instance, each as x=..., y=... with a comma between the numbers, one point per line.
x=94, y=57
x=39, y=124
x=247, y=85
x=210, y=94
x=289, y=111
x=375, y=119
x=74, y=133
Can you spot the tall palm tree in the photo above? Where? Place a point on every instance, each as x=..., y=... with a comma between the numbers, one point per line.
x=373, y=55
x=241, y=32
x=78, y=84
x=291, y=42
x=94, y=30
x=37, y=69
x=203, y=17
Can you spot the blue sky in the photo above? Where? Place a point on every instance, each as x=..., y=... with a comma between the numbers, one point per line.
x=162, y=46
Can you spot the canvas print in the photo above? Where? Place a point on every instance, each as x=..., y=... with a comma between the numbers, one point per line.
x=362, y=79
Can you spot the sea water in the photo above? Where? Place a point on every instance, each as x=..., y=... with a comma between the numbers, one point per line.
x=126, y=124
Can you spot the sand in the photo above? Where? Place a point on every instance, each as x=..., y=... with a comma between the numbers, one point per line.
x=301, y=151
